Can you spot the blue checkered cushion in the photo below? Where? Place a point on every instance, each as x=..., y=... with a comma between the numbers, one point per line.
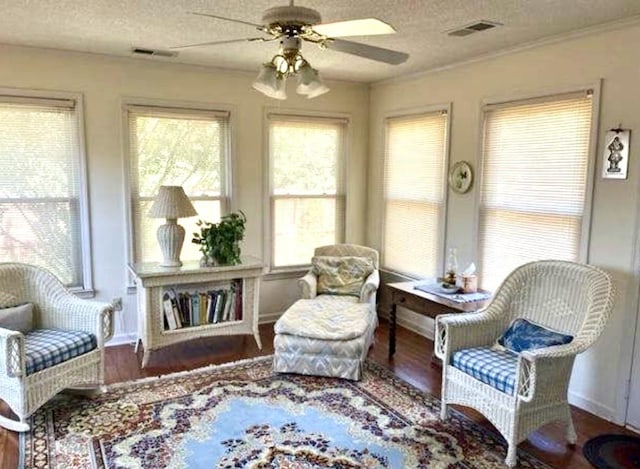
x=497, y=368
x=48, y=347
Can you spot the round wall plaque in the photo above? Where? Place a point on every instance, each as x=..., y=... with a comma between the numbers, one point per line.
x=461, y=177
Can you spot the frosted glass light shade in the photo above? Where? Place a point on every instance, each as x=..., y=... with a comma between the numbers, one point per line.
x=310, y=83
x=270, y=83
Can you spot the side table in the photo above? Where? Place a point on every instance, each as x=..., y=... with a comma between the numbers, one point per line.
x=427, y=304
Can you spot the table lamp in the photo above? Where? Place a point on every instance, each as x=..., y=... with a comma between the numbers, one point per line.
x=171, y=203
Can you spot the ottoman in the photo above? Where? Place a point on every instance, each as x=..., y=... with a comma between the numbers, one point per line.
x=329, y=335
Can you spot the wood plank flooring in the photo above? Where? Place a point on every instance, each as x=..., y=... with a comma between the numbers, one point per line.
x=411, y=363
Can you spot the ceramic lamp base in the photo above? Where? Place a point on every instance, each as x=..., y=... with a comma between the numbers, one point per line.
x=170, y=237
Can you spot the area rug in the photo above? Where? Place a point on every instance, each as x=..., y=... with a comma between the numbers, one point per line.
x=242, y=415
x=613, y=451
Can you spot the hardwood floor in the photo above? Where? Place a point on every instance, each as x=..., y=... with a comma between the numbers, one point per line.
x=411, y=363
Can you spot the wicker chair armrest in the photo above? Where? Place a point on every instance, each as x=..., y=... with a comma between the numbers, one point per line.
x=567, y=350
x=11, y=354
x=74, y=313
x=544, y=375
x=370, y=287
x=309, y=286
x=457, y=331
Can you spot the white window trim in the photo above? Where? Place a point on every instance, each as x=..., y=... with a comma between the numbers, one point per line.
x=267, y=212
x=545, y=94
x=86, y=291
x=408, y=112
x=128, y=103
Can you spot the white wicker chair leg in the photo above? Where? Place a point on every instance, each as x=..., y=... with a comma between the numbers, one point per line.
x=14, y=425
x=512, y=455
x=572, y=438
x=443, y=411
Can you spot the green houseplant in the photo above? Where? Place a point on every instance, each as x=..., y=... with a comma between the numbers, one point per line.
x=220, y=242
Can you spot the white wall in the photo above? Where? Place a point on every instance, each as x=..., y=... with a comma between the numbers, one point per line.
x=104, y=81
x=600, y=374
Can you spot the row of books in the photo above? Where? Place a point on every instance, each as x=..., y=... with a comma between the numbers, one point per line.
x=185, y=309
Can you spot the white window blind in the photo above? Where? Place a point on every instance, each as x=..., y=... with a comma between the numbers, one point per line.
x=306, y=161
x=534, y=183
x=182, y=147
x=414, y=193
x=41, y=195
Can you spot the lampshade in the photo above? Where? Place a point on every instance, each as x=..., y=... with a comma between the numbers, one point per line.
x=270, y=83
x=171, y=202
x=310, y=83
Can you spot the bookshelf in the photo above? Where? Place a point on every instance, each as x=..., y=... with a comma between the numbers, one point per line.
x=230, y=294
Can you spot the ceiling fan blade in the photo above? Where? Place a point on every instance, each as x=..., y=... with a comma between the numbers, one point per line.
x=230, y=41
x=259, y=26
x=361, y=27
x=368, y=52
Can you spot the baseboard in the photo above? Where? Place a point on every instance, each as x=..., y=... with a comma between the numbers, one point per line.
x=592, y=407
x=122, y=339
x=268, y=318
x=405, y=320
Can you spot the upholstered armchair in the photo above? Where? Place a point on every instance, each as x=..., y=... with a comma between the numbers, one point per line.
x=49, y=340
x=330, y=330
x=513, y=360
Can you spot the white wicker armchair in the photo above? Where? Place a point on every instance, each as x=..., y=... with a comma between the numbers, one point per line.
x=55, y=308
x=572, y=298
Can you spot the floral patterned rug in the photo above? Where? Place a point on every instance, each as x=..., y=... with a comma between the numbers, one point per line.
x=241, y=415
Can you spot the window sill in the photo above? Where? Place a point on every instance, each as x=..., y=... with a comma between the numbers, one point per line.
x=82, y=293
x=286, y=273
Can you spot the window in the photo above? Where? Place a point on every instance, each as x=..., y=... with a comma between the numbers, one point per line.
x=534, y=183
x=43, y=202
x=414, y=194
x=182, y=147
x=306, y=161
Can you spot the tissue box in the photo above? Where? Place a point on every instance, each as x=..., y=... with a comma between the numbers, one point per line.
x=469, y=283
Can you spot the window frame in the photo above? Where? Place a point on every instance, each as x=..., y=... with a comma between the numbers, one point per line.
x=268, y=209
x=33, y=96
x=405, y=113
x=543, y=95
x=227, y=204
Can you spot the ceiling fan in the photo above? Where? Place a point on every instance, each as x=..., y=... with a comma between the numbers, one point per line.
x=305, y=23
x=292, y=25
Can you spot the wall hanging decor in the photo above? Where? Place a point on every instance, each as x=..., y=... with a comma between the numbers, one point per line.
x=461, y=177
x=616, y=154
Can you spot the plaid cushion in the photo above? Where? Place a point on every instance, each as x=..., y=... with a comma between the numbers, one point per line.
x=497, y=368
x=48, y=347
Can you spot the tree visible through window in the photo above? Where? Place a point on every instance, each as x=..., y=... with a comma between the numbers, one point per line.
x=306, y=178
x=40, y=186
x=181, y=148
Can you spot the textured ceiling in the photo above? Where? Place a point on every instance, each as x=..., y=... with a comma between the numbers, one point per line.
x=115, y=26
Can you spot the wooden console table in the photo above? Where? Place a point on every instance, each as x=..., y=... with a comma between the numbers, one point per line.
x=152, y=281
x=427, y=304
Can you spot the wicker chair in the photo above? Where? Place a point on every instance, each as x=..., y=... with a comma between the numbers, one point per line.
x=57, y=313
x=300, y=344
x=571, y=298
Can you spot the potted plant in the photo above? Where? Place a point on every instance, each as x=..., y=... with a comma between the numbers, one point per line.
x=220, y=242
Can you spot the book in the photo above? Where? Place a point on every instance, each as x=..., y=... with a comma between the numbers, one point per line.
x=226, y=315
x=211, y=305
x=168, y=311
x=195, y=308
x=239, y=305
x=219, y=306
x=175, y=306
x=232, y=306
x=203, y=307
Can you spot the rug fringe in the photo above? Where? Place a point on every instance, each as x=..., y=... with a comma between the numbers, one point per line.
x=178, y=374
